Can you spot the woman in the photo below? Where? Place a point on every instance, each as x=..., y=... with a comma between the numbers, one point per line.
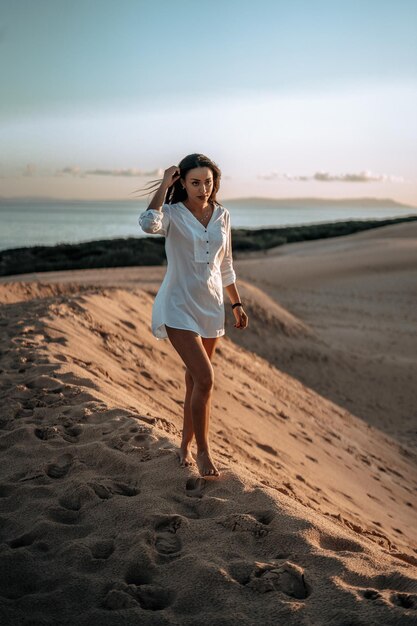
x=188, y=308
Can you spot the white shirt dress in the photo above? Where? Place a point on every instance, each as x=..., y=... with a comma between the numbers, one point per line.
x=199, y=265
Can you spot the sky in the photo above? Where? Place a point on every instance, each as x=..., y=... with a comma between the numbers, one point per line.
x=289, y=99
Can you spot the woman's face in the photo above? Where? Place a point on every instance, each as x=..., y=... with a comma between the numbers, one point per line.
x=198, y=184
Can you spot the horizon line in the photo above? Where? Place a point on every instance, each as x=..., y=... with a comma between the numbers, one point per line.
x=230, y=199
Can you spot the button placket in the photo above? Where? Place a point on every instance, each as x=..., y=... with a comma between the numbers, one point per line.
x=208, y=262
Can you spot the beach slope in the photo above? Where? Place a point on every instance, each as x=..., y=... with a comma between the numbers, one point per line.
x=313, y=519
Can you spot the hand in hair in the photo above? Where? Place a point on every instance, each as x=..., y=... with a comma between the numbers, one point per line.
x=171, y=175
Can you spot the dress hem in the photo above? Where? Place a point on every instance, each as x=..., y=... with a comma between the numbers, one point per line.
x=192, y=329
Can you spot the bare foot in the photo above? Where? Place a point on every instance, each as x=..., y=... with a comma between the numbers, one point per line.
x=206, y=465
x=185, y=456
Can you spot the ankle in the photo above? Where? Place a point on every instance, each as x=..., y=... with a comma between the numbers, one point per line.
x=203, y=450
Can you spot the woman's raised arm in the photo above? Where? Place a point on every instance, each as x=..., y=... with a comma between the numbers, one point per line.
x=155, y=219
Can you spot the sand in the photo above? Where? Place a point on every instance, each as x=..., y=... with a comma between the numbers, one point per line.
x=313, y=428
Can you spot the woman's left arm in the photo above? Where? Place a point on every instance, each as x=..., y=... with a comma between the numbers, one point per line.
x=229, y=280
x=233, y=293
x=240, y=315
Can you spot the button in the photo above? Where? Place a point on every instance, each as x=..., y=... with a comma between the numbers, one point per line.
x=207, y=252
x=208, y=263
x=207, y=240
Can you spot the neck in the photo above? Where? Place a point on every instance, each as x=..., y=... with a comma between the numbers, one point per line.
x=198, y=208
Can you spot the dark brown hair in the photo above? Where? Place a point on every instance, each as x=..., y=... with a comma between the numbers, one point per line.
x=176, y=193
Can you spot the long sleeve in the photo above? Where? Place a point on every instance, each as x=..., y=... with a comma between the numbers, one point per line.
x=155, y=222
x=226, y=267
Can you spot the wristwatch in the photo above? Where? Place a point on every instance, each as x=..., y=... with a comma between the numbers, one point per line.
x=236, y=304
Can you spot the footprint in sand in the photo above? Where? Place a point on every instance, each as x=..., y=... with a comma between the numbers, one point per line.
x=167, y=523
x=118, y=443
x=264, y=516
x=126, y=489
x=137, y=589
x=166, y=542
x=287, y=578
x=72, y=432
x=76, y=495
x=148, y=597
x=404, y=600
x=63, y=516
x=398, y=588
x=168, y=545
x=46, y=432
x=244, y=522
x=194, y=487
x=102, y=491
x=60, y=467
x=143, y=446
x=102, y=549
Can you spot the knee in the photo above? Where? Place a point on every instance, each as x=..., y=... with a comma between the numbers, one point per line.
x=205, y=380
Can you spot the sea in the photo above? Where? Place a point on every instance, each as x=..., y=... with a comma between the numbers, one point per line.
x=25, y=223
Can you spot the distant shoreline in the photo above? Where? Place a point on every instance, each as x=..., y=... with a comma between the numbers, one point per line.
x=135, y=251
x=286, y=202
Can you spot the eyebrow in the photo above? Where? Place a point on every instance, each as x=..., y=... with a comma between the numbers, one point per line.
x=209, y=178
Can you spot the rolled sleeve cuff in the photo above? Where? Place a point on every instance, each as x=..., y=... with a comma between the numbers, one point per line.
x=228, y=277
x=152, y=221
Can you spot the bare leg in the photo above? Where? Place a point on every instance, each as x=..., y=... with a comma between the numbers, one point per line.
x=188, y=428
x=195, y=354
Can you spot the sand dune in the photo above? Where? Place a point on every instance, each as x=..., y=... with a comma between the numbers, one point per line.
x=359, y=296
x=313, y=520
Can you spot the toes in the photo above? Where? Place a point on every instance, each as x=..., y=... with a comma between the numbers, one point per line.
x=211, y=472
x=185, y=463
